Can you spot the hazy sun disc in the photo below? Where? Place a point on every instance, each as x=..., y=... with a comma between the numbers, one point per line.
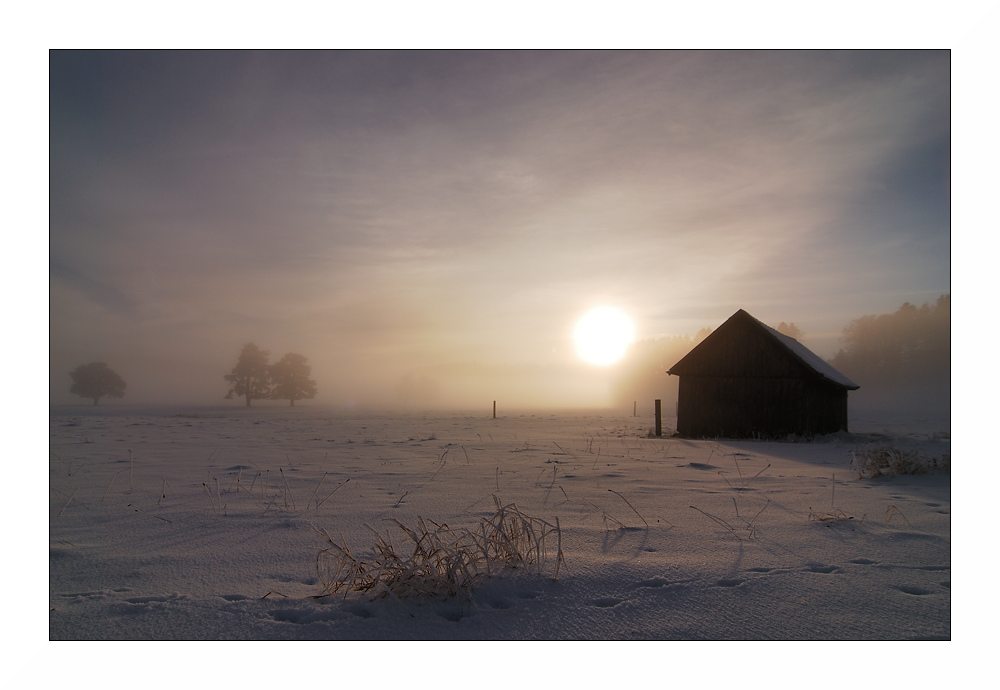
x=602, y=335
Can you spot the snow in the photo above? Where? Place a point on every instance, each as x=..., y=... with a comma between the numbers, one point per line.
x=200, y=524
x=813, y=360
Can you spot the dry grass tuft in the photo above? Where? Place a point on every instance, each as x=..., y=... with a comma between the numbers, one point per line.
x=444, y=561
x=883, y=459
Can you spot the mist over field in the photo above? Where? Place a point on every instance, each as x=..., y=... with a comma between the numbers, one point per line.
x=427, y=228
x=286, y=289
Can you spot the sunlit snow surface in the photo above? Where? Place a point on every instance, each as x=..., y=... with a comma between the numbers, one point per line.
x=175, y=544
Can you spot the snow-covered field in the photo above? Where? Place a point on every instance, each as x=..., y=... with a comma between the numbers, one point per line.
x=200, y=523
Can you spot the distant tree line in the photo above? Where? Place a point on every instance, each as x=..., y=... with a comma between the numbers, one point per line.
x=911, y=345
x=909, y=349
x=253, y=378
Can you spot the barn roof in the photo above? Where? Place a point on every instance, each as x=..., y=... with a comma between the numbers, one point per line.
x=793, y=346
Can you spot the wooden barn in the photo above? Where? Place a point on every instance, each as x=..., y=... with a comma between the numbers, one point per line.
x=746, y=380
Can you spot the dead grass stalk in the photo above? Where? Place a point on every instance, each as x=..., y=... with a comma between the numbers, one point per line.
x=440, y=561
x=884, y=459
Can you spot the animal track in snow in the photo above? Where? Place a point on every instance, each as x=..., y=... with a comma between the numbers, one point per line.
x=606, y=603
x=287, y=615
x=730, y=582
x=359, y=611
x=302, y=616
x=85, y=595
x=452, y=613
x=863, y=561
x=824, y=569
x=667, y=585
x=156, y=600
x=915, y=591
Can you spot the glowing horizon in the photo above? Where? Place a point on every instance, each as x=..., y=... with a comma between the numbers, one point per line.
x=399, y=214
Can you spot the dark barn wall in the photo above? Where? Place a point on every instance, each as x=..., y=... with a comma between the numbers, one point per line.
x=740, y=382
x=743, y=407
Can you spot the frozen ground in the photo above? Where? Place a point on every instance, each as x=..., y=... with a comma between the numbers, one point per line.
x=197, y=523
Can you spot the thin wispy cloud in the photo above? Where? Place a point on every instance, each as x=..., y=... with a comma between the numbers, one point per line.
x=383, y=213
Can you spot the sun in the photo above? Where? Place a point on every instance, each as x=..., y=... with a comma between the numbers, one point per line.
x=602, y=335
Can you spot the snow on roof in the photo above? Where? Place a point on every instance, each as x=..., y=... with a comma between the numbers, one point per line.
x=814, y=361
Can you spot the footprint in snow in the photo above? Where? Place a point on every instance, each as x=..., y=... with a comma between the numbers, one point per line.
x=156, y=600
x=288, y=615
x=359, y=611
x=825, y=569
x=453, y=615
x=606, y=603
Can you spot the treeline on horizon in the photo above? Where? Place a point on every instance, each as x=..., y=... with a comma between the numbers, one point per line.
x=900, y=359
x=913, y=344
x=908, y=349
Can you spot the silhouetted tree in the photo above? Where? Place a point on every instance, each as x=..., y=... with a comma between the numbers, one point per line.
x=290, y=378
x=789, y=329
x=96, y=380
x=251, y=377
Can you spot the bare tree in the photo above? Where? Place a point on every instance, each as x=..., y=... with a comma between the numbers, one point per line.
x=790, y=329
x=251, y=377
x=290, y=376
x=96, y=380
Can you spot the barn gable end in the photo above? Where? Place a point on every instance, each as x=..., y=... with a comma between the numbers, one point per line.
x=747, y=380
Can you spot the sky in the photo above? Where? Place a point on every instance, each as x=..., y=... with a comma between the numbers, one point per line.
x=429, y=226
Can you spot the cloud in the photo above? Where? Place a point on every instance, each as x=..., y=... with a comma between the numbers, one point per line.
x=97, y=292
x=408, y=210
